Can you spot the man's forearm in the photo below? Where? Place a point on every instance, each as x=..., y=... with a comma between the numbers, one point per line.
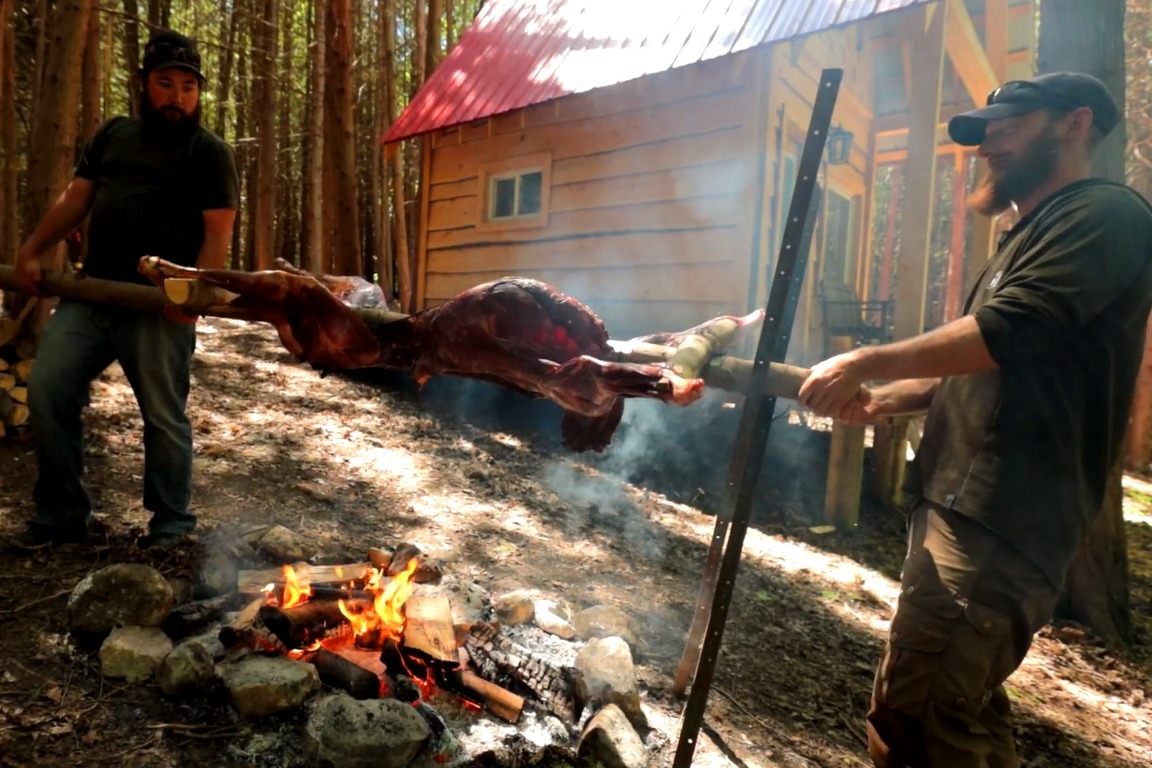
x=951, y=350
x=904, y=397
x=214, y=250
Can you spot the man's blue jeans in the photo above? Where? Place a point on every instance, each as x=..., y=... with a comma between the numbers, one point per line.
x=78, y=343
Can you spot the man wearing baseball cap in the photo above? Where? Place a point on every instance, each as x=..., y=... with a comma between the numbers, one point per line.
x=1027, y=398
x=154, y=185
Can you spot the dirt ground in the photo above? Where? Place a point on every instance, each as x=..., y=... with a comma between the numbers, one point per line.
x=477, y=478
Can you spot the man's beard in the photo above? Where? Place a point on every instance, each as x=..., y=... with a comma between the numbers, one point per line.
x=158, y=123
x=1022, y=176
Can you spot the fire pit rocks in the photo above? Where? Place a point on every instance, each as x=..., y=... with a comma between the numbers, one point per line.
x=390, y=663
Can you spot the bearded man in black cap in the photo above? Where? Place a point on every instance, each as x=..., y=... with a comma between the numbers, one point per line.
x=155, y=185
x=1027, y=398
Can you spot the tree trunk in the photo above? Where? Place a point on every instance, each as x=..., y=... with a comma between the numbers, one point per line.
x=53, y=142
x=380, y=197
x=340, y=142
x=132, y=54
x=91, y=113
x=404, y=288
x=313, y=206
x=264, y=80
x=1083, y=37
x=286, y=245
x=107, y=49
x=229, y=30
x=1138, y=30
x=9, y=222
x=242, y=92
x=434, y=50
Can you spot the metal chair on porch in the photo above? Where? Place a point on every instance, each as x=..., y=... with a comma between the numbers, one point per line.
x=845, y=315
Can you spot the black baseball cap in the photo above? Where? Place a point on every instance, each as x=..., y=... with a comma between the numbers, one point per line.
x=1062, y=91
x=171, y=49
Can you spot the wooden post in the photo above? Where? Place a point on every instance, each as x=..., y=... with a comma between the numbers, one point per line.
x=845, y=465
x=920, y=176
x=889, y=457
x=915, y=228
x=957, y=276
x=895, y=188
x=996, y=45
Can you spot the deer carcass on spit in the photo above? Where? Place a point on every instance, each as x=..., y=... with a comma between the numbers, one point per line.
x=517, y=332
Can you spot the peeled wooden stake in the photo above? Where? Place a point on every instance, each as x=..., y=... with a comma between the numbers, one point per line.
x=187, y=291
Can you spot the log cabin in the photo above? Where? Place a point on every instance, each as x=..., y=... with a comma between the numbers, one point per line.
x=641, y=155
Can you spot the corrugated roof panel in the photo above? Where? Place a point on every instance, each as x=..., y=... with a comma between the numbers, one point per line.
x=717, y=22
x=790, y=20
x=823, y=14
x=522, y=52
x=852, y=10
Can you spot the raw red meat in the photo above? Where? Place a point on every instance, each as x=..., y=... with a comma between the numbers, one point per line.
x=517, y=332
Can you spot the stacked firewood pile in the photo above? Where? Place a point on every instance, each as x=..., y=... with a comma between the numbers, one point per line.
x=14, y=373
x=16, y=359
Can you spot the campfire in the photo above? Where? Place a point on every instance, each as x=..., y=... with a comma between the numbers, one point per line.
x=367, y=634
x=374, y=647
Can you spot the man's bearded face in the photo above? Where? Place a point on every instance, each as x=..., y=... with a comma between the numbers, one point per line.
x=1017, y=167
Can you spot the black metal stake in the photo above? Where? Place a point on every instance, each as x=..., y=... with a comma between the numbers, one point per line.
x=755, y=425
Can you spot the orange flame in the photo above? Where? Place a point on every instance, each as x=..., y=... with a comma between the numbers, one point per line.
x=389, y=601
x=385, y=615
x=295, y=592
x=298, y=653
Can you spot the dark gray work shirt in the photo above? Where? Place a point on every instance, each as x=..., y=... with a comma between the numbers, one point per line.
x=151, y=192
x=1062, y=306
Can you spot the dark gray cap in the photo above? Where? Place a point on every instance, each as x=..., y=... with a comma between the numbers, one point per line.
x=1061, y=91
x=171, y=49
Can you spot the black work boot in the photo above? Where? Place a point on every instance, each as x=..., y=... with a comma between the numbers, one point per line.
x=37, y=536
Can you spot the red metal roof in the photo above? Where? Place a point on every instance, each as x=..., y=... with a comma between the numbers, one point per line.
x=523, y=52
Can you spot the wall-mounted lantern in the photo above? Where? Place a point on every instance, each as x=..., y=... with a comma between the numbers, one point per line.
x=839, y=145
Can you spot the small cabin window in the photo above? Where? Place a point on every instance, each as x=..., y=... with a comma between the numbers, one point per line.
x=515, y=195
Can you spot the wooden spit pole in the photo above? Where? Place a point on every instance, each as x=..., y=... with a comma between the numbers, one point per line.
x=722, y=372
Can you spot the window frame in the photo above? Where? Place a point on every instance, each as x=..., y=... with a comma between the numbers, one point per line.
x=515, y=168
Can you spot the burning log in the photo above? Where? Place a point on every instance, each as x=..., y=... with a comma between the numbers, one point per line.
x=331, y=594
x=392, y=563
x=253, y=582
x=340, y=672
x=428, y=628
x=304, y=624
x=504, y=662
x=247, y=631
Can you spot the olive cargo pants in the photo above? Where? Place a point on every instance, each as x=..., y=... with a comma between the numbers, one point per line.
x=968, y=609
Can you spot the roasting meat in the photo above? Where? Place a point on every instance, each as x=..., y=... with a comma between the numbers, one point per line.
x=351, y=290
x=312, y=323
x=516, y=332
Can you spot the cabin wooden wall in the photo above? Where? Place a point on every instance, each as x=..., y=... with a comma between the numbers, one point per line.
x=650, y=201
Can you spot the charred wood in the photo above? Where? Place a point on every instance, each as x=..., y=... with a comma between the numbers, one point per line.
x=340, y=672
x=507, y=664
x=301, y=625
x=192, y=617
x=253, y=582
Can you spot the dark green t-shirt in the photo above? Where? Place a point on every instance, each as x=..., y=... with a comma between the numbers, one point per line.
x=151, y=192
x=1062, y=306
